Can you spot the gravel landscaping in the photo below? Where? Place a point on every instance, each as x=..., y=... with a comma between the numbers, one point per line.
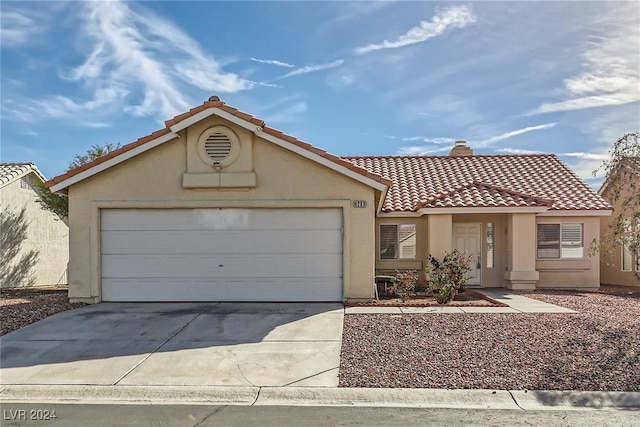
x=595, y=349
x=21, y=307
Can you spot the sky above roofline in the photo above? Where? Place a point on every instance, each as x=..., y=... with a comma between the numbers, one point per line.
x=353, y=78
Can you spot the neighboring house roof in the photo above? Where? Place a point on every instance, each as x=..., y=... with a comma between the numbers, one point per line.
x=481, y=181
x=10, y=172
x=216, y=107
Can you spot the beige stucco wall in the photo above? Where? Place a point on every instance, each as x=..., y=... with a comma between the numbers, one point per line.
x=572, y=273
x=154, y=179
x=515, y=265
x=46, y=233
x=611, y=261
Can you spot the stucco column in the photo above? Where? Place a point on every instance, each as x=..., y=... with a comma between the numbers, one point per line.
x=521, y=252
x=439, y=234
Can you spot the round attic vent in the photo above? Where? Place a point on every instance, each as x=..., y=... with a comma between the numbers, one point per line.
x=217, y=146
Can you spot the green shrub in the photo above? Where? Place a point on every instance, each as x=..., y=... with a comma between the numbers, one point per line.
x=404, y=284
x=447, y=276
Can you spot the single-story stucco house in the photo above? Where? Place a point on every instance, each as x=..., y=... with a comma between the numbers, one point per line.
x=41, y=258
x=620, y=266
x=217, y=206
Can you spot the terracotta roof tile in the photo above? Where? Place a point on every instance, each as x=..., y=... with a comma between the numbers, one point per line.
x=231, y=110
x=9, y=172
x=481, y=181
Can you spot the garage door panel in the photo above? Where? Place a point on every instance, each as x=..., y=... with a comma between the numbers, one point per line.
x=220, y=242
x=219, y=219
x=222, y=255
x=224, y=266
x=172, y=289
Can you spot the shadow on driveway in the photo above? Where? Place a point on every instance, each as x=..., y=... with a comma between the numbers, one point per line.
x=178, y=343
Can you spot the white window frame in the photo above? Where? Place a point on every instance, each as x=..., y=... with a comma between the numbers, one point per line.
x=398, y=247
x=567, y=248
x=491, y=245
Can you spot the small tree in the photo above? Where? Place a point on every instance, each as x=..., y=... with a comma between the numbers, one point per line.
x=622, y=185
x=447, y=276
x=59, y=204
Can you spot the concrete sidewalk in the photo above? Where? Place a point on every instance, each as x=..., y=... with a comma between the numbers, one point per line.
x=517, y=304
x=314, y=396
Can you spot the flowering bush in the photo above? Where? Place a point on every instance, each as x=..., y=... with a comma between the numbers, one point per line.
x=447, y=276
x=404, y=284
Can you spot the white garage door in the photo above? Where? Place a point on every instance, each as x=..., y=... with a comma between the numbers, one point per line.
x=221, y=254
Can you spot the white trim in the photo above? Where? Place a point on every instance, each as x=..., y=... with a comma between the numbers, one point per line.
x=383, y=196
x=399, y=215
x=183, y=124
x=112, y=162
x=238, y=121
x=30, y=168
x=322, y=160
x=577, y=213
x=427, y=211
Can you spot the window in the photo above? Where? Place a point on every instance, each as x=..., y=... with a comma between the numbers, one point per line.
x=626, y=258
x=26, y=182
x=397, y=241
x=627, y=255
x=560, y=241
x=491, y=236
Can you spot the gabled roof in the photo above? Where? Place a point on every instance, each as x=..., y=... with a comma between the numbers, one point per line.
x=9, y=172
x=216, y=107
x=477, y=195
x=479, y=181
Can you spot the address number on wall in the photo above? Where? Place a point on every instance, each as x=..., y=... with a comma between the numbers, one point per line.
x=359, y=203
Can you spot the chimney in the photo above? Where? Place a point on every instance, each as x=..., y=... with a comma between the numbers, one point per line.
x=461, y=149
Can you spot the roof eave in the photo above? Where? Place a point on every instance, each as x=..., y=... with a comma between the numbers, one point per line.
x=66, y=183
x=486, y=210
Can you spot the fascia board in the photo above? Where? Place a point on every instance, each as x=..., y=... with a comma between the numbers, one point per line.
x=25, y=173
x=323, y=161
x=112, y=162
x=478, y=210
x=600, y=212
x=183, y=124
x=278, y=141
x=399, y=215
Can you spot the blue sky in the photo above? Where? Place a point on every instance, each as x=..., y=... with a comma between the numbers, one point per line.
x=353, y=78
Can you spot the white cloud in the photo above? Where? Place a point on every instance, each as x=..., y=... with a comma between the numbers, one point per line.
x=517, y=151
x=453, y=17
x=313, y=68
x=587, y=156
x=137, y=62
x=437, y=141
x=273, y=62
x=16, y=28
x=611, y=66
x=287, y=113
x=506, y=135
x=421, y=150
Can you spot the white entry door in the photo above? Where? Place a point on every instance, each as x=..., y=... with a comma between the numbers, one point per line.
x=466, y=239
x=221, y=255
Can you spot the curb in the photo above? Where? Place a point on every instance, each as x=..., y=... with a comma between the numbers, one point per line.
x=314, y=396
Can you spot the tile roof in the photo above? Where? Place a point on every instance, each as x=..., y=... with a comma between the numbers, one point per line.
x=214, y=102
x=12, y=171
x=481, y=181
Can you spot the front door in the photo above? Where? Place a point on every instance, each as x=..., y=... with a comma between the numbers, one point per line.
x=466, y=239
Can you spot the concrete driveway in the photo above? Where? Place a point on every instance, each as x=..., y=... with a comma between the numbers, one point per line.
x=216, y=344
